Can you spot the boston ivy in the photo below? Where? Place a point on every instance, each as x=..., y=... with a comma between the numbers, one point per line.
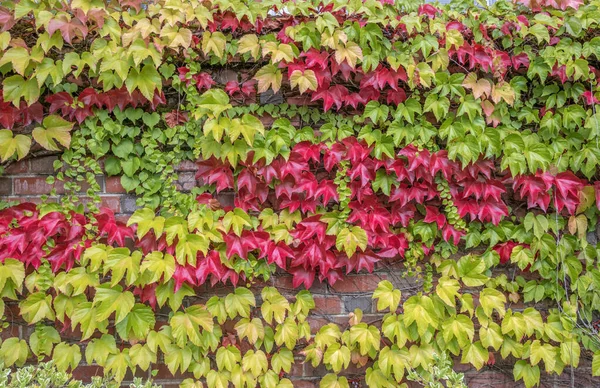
x=460, y=141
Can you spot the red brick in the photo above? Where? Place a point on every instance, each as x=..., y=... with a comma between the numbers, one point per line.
x=19, y=167
x=42, y=165
x=113, y=202
x=113, y=185
x=358, y=283
x=187, y=165
x=328, y=304
x=5, y=186
x=297, y=369
x=36, y=200
x=86, y=372
x=34, y=186
x=303, y=384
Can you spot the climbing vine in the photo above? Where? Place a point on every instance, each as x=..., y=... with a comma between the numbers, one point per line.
x=458, y=143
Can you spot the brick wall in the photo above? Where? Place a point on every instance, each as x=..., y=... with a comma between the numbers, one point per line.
x=25, y=181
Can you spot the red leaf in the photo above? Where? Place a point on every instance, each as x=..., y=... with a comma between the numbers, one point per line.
x=331, y=96
x=68, y=28
x=302, y=276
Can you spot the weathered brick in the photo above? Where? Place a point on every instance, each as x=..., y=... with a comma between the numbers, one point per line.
x=328, y=304
x=269, y=97
x=186, y=165
x=113, y=185
x=225, y=76
x=186, y=181
x=86, y=372
x=352, y=303
x=303, y=383
x=128, y=204
x=5, y=186
x=226, y=198
x=34, y=186
x=42, y=165
x=358, y=283
x=18, y=167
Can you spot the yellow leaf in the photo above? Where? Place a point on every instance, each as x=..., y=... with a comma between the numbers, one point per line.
x=350, y=52
x=214, y=42
x=304, y=81
x=268, y=76
x=9, y=145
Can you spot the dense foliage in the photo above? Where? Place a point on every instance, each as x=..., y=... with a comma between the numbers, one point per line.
x=461, y=141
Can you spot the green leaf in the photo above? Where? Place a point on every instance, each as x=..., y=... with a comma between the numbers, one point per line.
x=349, y=239
x=447, y=290
x=55, y=129
x=337, y=356
x=137, y=324
x=9, y=145
x=36, y=307
x=15, y=87
x=282, y=361
x=66, y=356
x=228, y=357
x=253, y=329
x=255, y=362
x=492, y=299
x=475, y=354
x=146, y=81
x=14, y=351
x=142, y=356
x=236, y=219
x=186, y=325
x=331, y=380
x=387, y=296
x=99, y=349
x=528, y=373
x=367, y=337
x=109, y=300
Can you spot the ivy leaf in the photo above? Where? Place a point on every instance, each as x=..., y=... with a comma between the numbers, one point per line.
x=18, y=57
x=212, y=103
x=367, y=337
x=117, y=364
x=36, y=307
x=14, y=351
x=492, y=299
x=596, y=364
x=137, y=324
x=447, y=290
x=349, y=52
x=275, y=307
x=15, y=87
x=9, y=145
x=99, y=349
x=12, y=272
x=146, y=81
x=55, y=129
x=475, y=354
x=111, y=300
x=158, y=266
x=287, y=333
x=142, y=356
x=236, y=220
x=268, y=77
x=304, y=80
x=178, y=358
x=214, y=43
x=528, y=373
x=249, y=44
x=66, y=356
x=337, y=356
x=228, y=357
x=282, y=361
x=349, y=239
x=255, y=362
x=253, y=329
x=331, y=380
x=387, y=296
x=186, y=325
